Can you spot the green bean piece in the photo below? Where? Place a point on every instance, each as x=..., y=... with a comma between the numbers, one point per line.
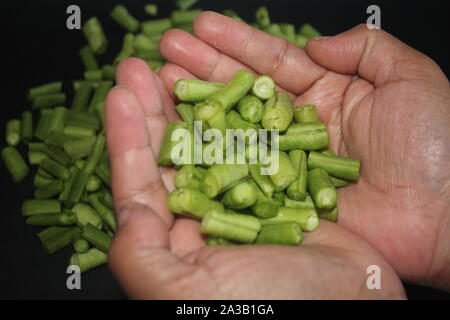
x=165, y=153
x=93, y=183
x=156, y=27
x=78, y=187
x=288, y=233
x=204, y=111
x=102, y=171
x=93, y=75
x=15, y=164
x=45, y=89
x=82, y=97
x=127, y=48
x=188, y=27
x=58, y=155
x=48, y=101
x=339, y=167
x=96, y=237
x=309, y=31
x=89, y=260
x=229, y=225
x=151, y=9
x=306, y=113
x=83, y=119
x=297, y=189
x=339, y=183
x=327, y=151
x=184, y=16
x=96, y=154
x=274, y=29
x=240, y=196
x=81, y=148
x=234, y=90
x=55, y=238
x=27, y=127
x=106, y=214
x=192, y=201
x=301, y=41
x=109, y=72
x=321, y=189
x=262, y=17
x=50, y=190
x=278, y=112
x=42, y=129
x=264, y=87
x=235, y=121
x=155, y=66
x=88, y=58
x=307, y=203
x=288, y=31
x=64, y=195
x=185, y=4
x=286, y=173
x=304, y=136
x=189, y=176
x=251, y=109
x=265, y=207
x=329, y=214
x=58, y=139
x=35, y=207
x=217, y=241
x=107, y=199
x=55, y=169
x=100, y=113
x=186, y=112
x=40, y=181
x=80, y=246
x=143, y=43
x=57, y=120
x=13, y=132
x=85, y=214
x=263, y=181
x=193, y=90
x=46, y=220
x=306, y=218
x=36, y=146
x=121, y=15
x=79, y=131
x=42, y=172
x=95, y=36
x=220, y=176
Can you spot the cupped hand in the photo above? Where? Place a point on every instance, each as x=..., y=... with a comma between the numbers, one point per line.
x=384, y=102
x=157, y=257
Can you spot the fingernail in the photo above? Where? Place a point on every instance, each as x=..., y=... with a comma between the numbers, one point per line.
x=124, y=214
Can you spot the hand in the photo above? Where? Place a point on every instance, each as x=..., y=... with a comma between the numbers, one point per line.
x=395, y=116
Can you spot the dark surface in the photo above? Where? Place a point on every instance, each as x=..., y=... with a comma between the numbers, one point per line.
x=37, y=48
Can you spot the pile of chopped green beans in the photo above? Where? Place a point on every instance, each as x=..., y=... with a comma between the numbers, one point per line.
x=65, y=143
x=237, y=203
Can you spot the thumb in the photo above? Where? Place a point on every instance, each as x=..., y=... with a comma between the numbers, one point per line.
x=374, y=55
x=140, y=255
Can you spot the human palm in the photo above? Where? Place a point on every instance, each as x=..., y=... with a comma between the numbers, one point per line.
x=367, y=119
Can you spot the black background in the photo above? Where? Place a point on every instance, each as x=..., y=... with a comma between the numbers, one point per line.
x=36, y=48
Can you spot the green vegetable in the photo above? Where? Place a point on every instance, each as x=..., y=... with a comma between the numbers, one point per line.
x=96, y=237
x=185, y=4
x=240, y=196
x=27, y=126
x=278, y=113
x=305, y=136
x=321, y=189
x=89, y=260
x=264, y=87
x=15, y=164
x=88, y=58
x=48, y=101
x=306, y=113
x=13, y=132
x=220, y=176
x=306, y=218
x=93, y=31
x=188, y=200
x=36, y=207
x=288, y=233
x=339, y=167
x=45, y=89
x=251, y=109
x=193, y=90
x=297, y=189
x=121, y=15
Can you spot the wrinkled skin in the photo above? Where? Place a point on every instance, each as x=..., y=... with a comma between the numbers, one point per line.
x=395, y=116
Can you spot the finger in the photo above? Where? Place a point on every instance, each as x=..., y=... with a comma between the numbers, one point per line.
x=200, y=59
x=168, y=101
x=136, y=75
x=285, y=62
x=185, y=237
x=194, y=55
x=374, y=55
x=141, y=259
x=135, y=175
x=170, y=73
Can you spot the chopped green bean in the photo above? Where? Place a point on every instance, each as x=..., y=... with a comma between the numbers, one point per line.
x=306, y=113
x=45, y=89
x=93, y=31
x=188, y=200
x=27, y=126
x=306, y=218
x=35, y=207
x=48, y=101
x=251, y=109
x=193, y=90
x=15, y=164
x=288, y=233
x=121, y=15
x=13, y=132
x=297, y=189
x=339, y=167
x=278, y=113
x=89, y=260
x=321, y=189
x=88, y=58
